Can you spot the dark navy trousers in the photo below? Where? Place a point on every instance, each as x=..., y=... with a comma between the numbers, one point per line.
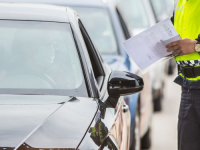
x=189, y=120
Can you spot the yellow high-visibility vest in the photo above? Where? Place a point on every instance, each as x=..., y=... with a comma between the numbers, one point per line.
x=187, y=23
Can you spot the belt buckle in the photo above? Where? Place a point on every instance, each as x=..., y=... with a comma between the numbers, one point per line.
x=189, y=71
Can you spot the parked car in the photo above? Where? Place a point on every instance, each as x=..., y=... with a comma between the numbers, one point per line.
x=108, y=30
x=56, y=92
x=139, y=14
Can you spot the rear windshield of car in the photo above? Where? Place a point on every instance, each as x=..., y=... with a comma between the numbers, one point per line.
x=39, y=58
x=135, y=13
x=98, y=24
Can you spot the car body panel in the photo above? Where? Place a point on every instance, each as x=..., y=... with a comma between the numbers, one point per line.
x=118, y=132
x=34, y=118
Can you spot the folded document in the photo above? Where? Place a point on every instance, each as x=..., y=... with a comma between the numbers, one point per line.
x=149, y=47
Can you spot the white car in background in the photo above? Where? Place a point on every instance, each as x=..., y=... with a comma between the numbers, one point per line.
x=140, y=16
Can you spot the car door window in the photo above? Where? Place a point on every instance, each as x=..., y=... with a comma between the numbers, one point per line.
x=99, y=26
x=95, y=59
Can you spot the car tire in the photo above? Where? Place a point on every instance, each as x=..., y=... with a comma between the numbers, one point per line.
x=157, y=105
x=157, y=101
x=136, y=134
x=170, y=70
x=146, y=140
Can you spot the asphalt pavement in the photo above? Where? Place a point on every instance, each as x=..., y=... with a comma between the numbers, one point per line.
x=164, y=124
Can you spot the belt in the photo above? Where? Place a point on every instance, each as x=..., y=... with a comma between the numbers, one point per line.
x=189, y=72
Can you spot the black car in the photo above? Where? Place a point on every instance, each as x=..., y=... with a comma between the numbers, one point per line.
x=55, y=90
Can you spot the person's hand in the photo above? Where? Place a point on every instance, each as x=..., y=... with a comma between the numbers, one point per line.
x=182, y=47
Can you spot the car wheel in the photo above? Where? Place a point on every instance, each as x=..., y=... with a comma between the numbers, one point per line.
x=146, y=140
x=157, y=105
x=170, y=70
x=171, y=66
x=136, y=134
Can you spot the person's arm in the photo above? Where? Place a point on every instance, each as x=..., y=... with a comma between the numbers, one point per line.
x=182, y=47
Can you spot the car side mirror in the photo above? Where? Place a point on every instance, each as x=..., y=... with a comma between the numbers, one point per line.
x=123, y=83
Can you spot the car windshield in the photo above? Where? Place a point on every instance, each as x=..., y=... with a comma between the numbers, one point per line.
x=39, y=58
x=99, y=27
x=134, y=12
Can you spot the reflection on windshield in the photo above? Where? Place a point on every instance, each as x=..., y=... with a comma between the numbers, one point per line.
x=99, y=27
x=134, y=12
x=38, y=55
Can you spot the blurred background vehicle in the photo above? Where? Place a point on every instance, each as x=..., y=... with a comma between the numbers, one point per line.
x=104, y=24
x=140, y=16
x=108, y=30
x=164, y=9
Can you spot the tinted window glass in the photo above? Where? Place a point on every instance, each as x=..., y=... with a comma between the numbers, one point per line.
x=99, y=27
x=39, y=55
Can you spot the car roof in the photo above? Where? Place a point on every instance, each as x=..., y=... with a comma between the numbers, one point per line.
x=97, y=3
x=39, y=12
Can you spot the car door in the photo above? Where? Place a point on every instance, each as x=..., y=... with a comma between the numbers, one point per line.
x=116, y=120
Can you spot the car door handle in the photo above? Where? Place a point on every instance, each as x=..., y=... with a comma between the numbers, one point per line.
x=125, y=108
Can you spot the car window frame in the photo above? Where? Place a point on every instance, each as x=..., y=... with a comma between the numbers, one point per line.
x=126, y=31
x=93, y=53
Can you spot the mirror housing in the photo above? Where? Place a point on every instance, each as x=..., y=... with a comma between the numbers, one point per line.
x=123, y=83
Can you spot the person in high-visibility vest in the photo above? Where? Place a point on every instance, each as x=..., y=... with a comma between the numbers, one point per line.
x=186, y=20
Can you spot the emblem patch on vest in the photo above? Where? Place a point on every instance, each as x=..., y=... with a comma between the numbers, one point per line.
x=180, y=8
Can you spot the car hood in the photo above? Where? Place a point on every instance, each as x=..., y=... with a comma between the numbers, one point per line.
x=115, y=62
x=44, y=121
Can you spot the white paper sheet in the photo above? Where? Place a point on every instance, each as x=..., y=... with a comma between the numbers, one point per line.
x=149, y=47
